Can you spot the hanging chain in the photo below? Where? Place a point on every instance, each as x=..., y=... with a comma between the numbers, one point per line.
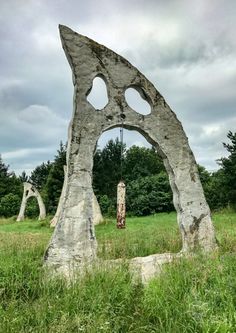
x=121, y=149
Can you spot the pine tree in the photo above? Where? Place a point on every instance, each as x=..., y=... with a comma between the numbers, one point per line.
x=23, y=177
x=4, y=175
x=228, y=165
x=40, y=175
x=107, y=168
x=55, y=179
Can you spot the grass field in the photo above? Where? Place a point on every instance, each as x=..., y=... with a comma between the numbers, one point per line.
x=194, y=295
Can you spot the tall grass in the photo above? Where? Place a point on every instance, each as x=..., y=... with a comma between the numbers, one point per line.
x=143, y=236
x=194, y=295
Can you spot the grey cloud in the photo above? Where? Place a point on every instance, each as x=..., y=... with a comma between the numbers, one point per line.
x=186, y=48
x=35, y=126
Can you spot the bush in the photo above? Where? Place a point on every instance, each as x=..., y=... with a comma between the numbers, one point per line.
x=32, y=208
x=107, y=205
x=10, y=205
x=149, y=195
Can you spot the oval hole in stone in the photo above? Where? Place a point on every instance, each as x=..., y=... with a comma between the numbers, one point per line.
x=137, y=102
x=98, y=94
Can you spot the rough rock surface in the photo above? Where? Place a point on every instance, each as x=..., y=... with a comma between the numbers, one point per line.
x=55, y=218
x=145, y=268
x=97, y=215
x=73, y=243
x=31, y=191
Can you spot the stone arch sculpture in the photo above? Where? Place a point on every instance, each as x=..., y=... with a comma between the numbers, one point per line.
x=73, y=242
x=31, y=191
x=97, y=215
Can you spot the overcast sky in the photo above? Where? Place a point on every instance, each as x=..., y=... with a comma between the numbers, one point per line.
x=187, y=48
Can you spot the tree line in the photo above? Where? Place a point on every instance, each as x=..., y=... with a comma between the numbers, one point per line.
x=142, y=169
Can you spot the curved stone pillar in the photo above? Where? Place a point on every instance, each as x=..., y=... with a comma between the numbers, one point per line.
x=73, y=242
x=31, y=191
x=55, y=218
x=97, y=215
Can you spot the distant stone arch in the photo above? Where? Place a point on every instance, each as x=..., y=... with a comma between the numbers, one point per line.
x=73, y=242
x=31, y=191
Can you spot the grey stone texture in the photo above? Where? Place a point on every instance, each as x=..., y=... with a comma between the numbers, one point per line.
x=55, y=218
x=31, y=191
x=97, y=215
x=73, y=243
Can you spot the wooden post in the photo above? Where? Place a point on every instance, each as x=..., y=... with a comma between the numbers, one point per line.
x=121, y=210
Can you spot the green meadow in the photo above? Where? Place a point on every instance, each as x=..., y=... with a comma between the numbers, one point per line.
x=192, y=295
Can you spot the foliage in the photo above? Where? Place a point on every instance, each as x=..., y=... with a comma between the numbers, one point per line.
x=148, y=195
x=228, y=165
x=141, y=168
x=53, y=187
x=138, y=163
x=107, y=169
x=9, y=183
x=23, y=177
x=40, y=175
x=32, y=208
x=10, y=191
x=220, y=186
x=141, y=162
x=9, y=205
x=107, y=205
x=213, y=187
x=215, y=191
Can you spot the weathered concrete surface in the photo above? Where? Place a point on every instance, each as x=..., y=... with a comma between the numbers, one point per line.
x=31, y=191
x=121, y=207
x=55, y=218
x=142, y=269
x=97, y=215
x=146, y=268
x=73, y=242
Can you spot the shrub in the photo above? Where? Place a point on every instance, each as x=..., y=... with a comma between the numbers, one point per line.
x=32, y=208
x=148, y=195
x=9, y=205
x=107, y=205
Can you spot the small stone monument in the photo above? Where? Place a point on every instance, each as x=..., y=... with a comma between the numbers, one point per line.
x=31, y=191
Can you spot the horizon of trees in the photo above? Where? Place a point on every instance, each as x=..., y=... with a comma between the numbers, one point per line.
x=147, y=183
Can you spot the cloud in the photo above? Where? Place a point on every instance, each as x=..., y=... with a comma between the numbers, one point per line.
x=33, y=126
x=186, y=48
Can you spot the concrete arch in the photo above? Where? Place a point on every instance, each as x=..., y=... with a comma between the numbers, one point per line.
x=73, y=242
x=31, y=191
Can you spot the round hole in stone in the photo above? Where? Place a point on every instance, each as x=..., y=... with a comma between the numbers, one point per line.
x=97, y=97
x=135, y=98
